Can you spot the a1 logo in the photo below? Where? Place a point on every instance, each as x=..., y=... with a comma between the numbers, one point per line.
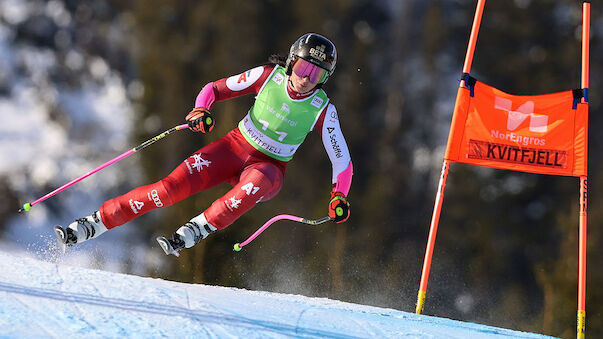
x=241, y=81
x=250, y=189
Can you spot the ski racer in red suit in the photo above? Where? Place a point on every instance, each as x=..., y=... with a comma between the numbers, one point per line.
x=253, y=157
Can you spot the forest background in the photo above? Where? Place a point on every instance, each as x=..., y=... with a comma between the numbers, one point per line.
x=83, y=81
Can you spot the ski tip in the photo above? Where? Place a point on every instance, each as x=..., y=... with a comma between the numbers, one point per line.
x=237, y=247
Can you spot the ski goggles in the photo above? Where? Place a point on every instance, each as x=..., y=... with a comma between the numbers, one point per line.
x=303, y=68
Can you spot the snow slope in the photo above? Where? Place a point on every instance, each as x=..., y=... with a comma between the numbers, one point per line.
x=42, y=299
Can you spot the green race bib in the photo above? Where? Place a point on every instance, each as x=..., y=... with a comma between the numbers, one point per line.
x=277, y=125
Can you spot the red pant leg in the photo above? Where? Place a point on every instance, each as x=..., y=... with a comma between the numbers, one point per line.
x=258, y=182
x=209, y=166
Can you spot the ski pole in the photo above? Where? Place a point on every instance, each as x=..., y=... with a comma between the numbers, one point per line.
x=239, y=246
x=27, y=206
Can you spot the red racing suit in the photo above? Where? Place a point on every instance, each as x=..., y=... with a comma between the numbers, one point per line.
x=254, y=175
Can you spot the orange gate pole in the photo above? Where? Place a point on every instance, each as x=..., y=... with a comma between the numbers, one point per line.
x=433, y=229
x=435, y=218
x=582, y=262
x=581, y=318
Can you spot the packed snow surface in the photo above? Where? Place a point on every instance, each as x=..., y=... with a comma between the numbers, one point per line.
x=43, y=299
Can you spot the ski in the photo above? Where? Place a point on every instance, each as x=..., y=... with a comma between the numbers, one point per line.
x=166, y=246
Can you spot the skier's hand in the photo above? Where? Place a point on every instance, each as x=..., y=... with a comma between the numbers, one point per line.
x=339, y=207
x=200, y=120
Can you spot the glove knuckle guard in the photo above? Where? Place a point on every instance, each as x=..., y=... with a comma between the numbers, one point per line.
x=200, y=120
x=339, y=208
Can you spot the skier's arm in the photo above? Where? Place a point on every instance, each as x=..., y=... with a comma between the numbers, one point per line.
x=249, y=82
x=337, y=150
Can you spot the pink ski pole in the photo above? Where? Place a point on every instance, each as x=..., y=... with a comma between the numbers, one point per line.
x=239, y=246
x=27, y=206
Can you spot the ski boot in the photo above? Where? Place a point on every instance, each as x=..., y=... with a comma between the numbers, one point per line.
x=80, y=230
x=187, y=236
x=171, y=246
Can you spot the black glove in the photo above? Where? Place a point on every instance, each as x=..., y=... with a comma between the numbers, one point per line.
x=200, y=120
x=339, y=207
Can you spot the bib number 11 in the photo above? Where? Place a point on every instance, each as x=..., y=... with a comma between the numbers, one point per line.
x=265, y=125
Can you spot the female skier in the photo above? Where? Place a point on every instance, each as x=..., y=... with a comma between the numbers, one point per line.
x=289, y=104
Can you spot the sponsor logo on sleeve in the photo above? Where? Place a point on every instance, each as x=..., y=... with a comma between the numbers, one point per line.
x=242, y=81
x=333, y=116
x=335, y=145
